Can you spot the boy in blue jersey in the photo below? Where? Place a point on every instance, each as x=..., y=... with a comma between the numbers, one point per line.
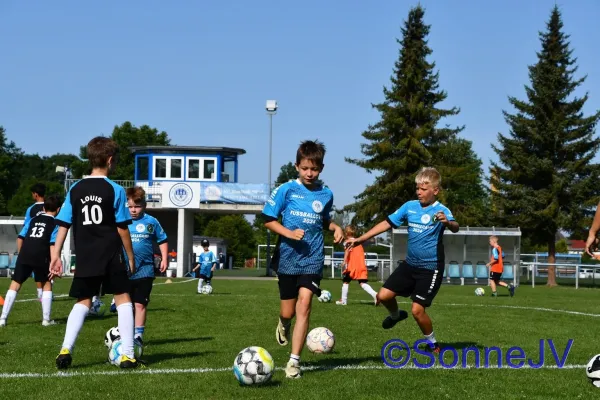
x=207, y=264
x=420, y=275
x=304, y=205
x=96, y=208
x=34, y=244
x=144, y=231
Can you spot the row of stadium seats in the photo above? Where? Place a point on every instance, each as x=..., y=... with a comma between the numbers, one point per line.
x=470, y=274
x=7, y=263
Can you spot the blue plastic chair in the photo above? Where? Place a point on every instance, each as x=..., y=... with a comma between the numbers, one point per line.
x=453, y=270
x=482, y=271
x=508, y=272
x=467, y=270
x=4, y=259
x=13, y=261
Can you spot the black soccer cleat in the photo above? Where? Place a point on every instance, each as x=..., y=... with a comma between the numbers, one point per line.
x=64, y=359
x=389, y=322
x=511, y=289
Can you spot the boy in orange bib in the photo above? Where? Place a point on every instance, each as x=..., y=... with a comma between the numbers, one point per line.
x=355, y=269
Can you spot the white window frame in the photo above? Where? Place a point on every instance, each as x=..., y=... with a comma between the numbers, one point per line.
x=168, y=158
x=202, y=165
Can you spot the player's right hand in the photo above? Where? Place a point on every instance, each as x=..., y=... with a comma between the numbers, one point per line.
x=296, y=234
x=590, y=245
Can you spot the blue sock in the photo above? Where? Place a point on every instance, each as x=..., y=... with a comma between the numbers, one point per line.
x=139, y=332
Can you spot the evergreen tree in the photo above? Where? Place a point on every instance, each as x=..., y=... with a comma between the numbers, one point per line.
x=548, y=181
x=407, y=136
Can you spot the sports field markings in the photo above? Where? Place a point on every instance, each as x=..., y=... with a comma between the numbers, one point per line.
x=150, y=371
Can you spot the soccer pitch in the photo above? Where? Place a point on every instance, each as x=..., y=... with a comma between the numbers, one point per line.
x=192, y=340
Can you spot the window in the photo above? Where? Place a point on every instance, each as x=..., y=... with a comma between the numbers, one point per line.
x=209, y=169
x=193, y=168
x=142, y=168
x=202, y=169
x=168, y=168
x=160, y=168
x=228, y=174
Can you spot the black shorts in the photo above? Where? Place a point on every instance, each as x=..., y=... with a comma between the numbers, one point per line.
x=289, y=285
x=420, y=284
x=24, y=271
x=140, y=290
x=114, y=281
x=347, y=279
x=206, y=278
x=495, y=276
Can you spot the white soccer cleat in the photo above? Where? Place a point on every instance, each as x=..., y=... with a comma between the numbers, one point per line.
x=2, y=322
x=48, y=323
x=340, y=303
x=282, y=334
x=292, y=370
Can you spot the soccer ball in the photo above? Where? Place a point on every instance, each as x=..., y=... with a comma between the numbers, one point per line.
x=593, y=370
x=116, y=351
x=207, y=289
x=320, y=340
x=325, y=296
x=253, y=366
x=479, y=292
x=111, y=336
x=98, y=308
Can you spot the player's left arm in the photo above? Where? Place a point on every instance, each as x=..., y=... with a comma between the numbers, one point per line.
x=445, y=217
x=214, y=261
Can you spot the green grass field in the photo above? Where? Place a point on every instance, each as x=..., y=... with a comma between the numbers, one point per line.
x=192, y=340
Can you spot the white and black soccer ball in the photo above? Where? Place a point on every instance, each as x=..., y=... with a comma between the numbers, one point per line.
x=111, y=336
x=325, y=296
x=320, y=340
x=207, y=289
x=253, y=366
x=593, y=370
x=479, y=292
x=98, y=308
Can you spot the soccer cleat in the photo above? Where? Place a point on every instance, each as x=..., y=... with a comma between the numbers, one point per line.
x=48, y=322
x=127, y=362
x=2, y=322
x=292, y=370
x=282, y=334
x=494, y=294
x=511, y=289
x=389, y=322
x=340, y=303
x=64, y=359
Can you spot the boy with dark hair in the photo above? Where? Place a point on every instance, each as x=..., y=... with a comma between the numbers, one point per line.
x=206, y=265
x=38, y=191
x=305, y=205
x=420, y=275
x=35, y=241
x=144, y=231
x=96, y=207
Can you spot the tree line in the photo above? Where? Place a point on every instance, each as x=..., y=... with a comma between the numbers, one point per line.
x=543, y=182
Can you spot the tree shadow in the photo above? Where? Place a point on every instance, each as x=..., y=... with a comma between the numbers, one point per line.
x=179, y=340
x=157, y=357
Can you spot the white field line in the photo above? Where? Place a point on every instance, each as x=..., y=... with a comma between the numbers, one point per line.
x=150, y=371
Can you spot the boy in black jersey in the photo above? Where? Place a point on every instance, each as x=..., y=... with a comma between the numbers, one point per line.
x=38, y=191
x=34, y=244
x=96, y=208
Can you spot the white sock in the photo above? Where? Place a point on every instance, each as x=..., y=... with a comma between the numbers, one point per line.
x=8, y=303
x=39, y=290
x=125, y=317
x=345, y=288
x=430, y=337
x=112, y=302
x=367, y=288
x=94, y=299
x=295, y=358
x=200, y=284
x=74, y=325
x=46, y=305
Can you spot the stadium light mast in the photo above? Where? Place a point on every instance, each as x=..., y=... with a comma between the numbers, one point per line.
x=271, y=108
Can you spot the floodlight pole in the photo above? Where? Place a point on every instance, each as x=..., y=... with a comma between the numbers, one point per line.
x=271, y=110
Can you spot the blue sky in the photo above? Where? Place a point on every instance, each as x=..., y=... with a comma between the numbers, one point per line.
x=202, y=71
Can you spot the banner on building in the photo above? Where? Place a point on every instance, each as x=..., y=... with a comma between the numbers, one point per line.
x=234, y=193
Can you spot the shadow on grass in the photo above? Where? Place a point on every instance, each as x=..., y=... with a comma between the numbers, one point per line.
x=180, y=340
x=271, y=383
x=332, y=363
x=157, y=357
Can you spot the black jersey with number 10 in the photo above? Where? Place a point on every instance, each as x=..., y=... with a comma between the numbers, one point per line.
x=95, y=206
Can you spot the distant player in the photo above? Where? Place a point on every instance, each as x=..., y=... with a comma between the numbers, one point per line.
x=38, y=191
x=206, y=265
x=35, y=241
x=355, y=269
x=96, y=207
x=497, y=267
x=145, y=231
x=420, y=275
x=304, y=205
